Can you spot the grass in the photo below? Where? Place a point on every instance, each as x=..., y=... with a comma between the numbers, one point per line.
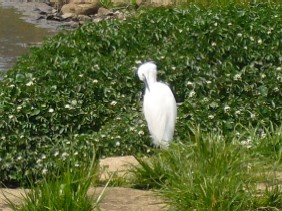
x=67, y=190
x=210, y=173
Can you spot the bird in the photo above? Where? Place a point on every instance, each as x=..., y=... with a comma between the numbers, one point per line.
x=159, y=106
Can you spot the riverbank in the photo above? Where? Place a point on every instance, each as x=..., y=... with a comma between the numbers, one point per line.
x=47, y=15
x=31, y=12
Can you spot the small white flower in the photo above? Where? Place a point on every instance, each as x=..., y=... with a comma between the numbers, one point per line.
x=56, y=153
x=131, y=128
x=192, y=94
x=12, y=85
x=11, y=116
x=189, y=83
x=205, y=99
x=44, y=171
x=19, y=108
x=262, y=75
x=117, y=143
x=138, y=62
x=19, y=157
x=260, y=41
x=211, y=116
x=208, y=82
x=215, y=24
x=237, y=77
x=95, y=81
x=237, y=112
x=51, y=110
x=141, y=132
x=173, y=67
x=245, y=47
x=229, y=24
x=279, y=68
x=68, y=143
x=29, y=83
x=239, y=35
x=276, y=89
x=74, y=102
x=251, y=38
x=43, y=157
x=80, y=75
x=64, y=155
x=253, y=115
x=226, y=108
x=67, y=106
x=213, y=44
x=113, y=103
x=76, y=153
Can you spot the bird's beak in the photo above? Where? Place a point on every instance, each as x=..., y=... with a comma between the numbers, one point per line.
x=146, y=83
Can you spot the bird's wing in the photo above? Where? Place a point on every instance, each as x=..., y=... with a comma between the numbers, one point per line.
x=160, y=112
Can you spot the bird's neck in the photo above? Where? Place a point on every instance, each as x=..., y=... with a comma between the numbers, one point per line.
x=151, y=79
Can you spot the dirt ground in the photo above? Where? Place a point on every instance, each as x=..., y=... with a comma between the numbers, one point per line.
x=113, y=198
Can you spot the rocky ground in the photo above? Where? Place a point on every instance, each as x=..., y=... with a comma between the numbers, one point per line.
x=113, y=199
x=69, y=16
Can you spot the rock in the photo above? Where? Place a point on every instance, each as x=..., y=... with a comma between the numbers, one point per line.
x=84, y=1
x=83, y=18
x=53, y=17
x=104, y=12
x=96, y=20
x=67, y=15
x=80, y=9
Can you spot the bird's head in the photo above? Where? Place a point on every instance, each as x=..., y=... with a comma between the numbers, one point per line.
x=147, y=72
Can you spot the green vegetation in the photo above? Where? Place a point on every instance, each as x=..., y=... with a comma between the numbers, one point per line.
x=80, y=91
x=210, y=173
x=67, y=190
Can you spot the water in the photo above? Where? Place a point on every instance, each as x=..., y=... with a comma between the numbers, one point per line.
x=16, y=36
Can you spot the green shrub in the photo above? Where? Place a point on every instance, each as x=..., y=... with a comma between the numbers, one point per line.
x=80, y=87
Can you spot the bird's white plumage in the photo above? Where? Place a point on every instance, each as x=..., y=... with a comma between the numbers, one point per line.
x=159, y=106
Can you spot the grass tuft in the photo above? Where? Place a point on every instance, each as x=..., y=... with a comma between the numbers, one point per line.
x=211, y=173
x=65, y=191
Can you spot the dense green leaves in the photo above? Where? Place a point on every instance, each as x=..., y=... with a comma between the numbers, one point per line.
x=81, y=87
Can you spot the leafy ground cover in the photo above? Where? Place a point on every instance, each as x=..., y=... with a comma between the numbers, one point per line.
x=80, y=91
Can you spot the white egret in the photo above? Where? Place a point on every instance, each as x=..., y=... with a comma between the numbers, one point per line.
x=159, y=106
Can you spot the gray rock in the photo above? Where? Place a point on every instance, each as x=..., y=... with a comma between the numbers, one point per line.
x=83, y=18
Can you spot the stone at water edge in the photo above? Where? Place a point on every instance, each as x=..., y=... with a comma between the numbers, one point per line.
x=80, y=9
